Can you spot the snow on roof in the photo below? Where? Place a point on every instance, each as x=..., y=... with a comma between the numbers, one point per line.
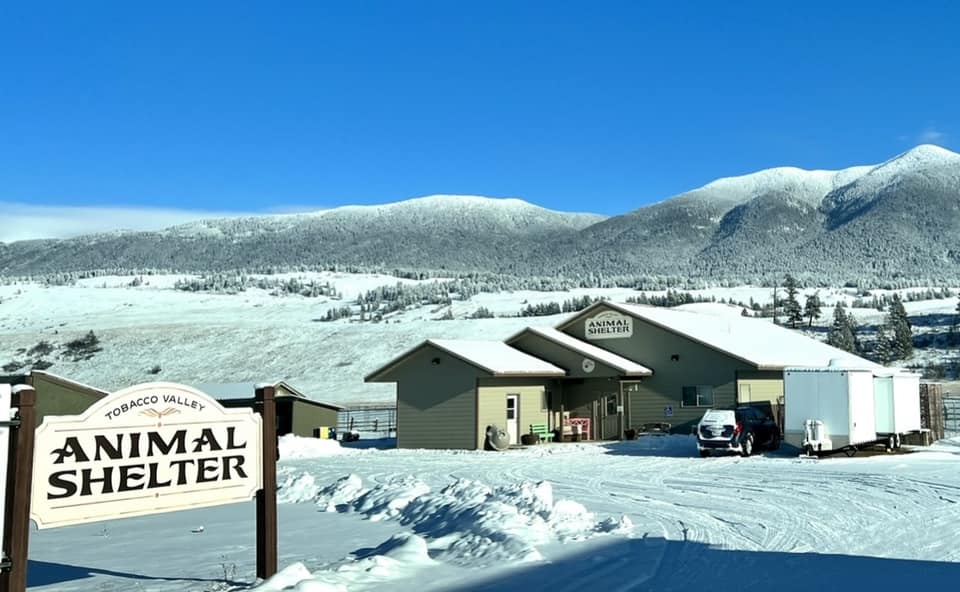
x=497, y=358
x=756, y=341
x=226, y=391
x=627, y=367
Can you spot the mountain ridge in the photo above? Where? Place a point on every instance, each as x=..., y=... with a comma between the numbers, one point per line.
x=897, y=217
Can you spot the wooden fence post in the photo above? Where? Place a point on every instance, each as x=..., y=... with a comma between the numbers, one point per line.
x=16, y=524
x=267, y=497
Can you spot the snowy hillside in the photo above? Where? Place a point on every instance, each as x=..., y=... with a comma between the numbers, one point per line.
x=151, y=331
x=866, y=224
x=434, y=213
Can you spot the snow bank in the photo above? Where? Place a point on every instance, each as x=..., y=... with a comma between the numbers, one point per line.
x=292, y=446
x=400, y=556
x=467, y=522
x=296, y=578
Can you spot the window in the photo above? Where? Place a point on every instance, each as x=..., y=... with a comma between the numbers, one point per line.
x=512, y=406
x=698, y=396
x=611, y=405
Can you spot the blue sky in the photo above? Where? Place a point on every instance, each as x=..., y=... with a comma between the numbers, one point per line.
x=585, y=106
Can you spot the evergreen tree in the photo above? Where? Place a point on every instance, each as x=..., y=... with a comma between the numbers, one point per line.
x=854, y=329
x=900, y=331
x=811, y=309
x=885, y=347
x=791, y=306
x=841, y=332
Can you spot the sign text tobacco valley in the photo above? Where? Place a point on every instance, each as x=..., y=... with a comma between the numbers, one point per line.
x=151, y=448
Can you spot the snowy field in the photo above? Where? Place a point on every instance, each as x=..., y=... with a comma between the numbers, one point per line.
x=634, y=515
x=253, y=336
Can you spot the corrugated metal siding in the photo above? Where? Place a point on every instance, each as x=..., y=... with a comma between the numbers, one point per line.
x=436, y=403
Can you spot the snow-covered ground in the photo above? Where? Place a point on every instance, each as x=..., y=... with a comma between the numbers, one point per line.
x=253, y=336
x=635, y=515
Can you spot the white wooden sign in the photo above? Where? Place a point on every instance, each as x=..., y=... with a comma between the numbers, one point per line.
x=4, y=448
x=609, y=325
x=150, y=448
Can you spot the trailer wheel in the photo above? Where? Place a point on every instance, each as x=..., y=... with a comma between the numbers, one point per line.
x=891, y=442
x=897, y=441
x=808, y=450
x=850, y=450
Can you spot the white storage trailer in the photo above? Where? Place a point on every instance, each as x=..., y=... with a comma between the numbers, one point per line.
x=841, y=398
x=896, y=399
x=841, y=408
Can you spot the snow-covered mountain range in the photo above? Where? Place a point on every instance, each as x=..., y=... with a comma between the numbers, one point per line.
x=900, y=218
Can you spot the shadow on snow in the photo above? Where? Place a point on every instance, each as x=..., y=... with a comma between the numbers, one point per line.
x=665, y=565
x=680, y=446
x=45, y=573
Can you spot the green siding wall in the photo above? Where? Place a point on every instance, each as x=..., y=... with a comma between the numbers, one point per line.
x=760, y=387
x=492, y=406
x=55, y=398
x=306, y=417
x=697, y=364
x=436, y=403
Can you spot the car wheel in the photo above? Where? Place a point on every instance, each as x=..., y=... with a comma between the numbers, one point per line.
x=746, y=447
x=704, y=453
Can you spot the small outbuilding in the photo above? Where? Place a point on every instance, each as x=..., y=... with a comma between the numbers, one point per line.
x=449, y=391
x=57, y=395
x=296, y=414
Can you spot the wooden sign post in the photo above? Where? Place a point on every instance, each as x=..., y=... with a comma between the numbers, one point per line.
x=16, y=523
x=267, y=496
x=148, y=449
x=5, y=425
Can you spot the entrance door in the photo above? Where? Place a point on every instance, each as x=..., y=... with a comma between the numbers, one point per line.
x=610, y=413
x=513, y=407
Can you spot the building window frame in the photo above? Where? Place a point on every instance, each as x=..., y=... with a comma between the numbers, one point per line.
x=696, y=396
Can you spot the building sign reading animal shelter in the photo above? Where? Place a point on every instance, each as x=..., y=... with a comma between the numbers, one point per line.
x=147, y=449
x=609, y=325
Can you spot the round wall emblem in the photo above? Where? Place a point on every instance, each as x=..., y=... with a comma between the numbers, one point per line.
x=588, y=365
